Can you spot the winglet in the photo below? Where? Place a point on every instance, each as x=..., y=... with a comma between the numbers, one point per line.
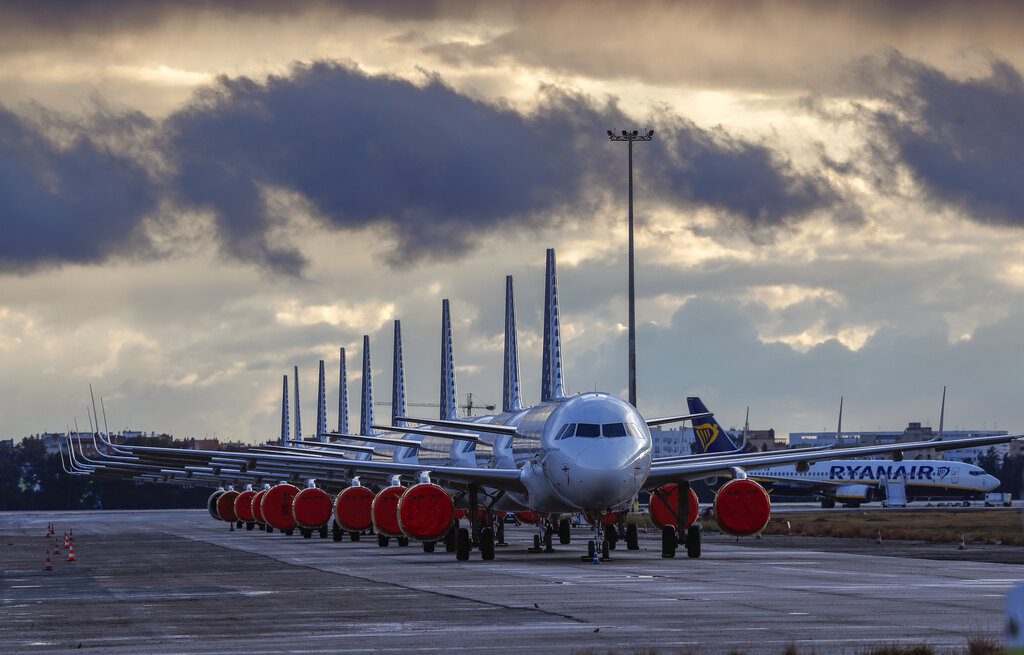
x=366, y=408
x=342, y=397
x=285, y=432
x=511, y=400
x=397, y=378
x=551, y=376
x=298, y=416
x=321, y=405
x=449, y=399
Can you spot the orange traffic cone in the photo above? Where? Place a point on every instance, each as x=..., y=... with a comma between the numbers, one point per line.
x=47, y=565
x=71, y=553
x=66, y=542
x=878, y=537
x=963, y=543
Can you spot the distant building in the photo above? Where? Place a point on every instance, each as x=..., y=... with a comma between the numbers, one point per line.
x=913, y=432
x=761, y=440
x=671, y=442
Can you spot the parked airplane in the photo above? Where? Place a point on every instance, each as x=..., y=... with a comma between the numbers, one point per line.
x=852, y=482
x=588, y=453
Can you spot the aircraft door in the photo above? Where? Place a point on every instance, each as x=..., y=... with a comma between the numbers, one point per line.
x=954, y=474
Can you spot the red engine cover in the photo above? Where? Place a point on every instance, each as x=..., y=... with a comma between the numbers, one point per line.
x=528, y=517
x=665, y=505
x=385, y=511
x=257, y=506
x=243, y=506
x=352, y=509
x=226, y=506
x=742, y=508
x=425, y=512
x=277, y=506
x=312, y=508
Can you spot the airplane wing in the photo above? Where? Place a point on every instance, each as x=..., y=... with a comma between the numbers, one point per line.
x=459, y=425
x=698, y=469
x=651, y=422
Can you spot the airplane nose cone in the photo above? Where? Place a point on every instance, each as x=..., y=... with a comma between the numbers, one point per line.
x=603, y=474
x=991, y=483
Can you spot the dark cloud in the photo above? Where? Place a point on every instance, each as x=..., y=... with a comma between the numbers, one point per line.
x=74, y=203
x=436, y=168
x=440, y=168
x=961, y=139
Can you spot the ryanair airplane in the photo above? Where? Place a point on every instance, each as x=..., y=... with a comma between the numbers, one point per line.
x=852, y=482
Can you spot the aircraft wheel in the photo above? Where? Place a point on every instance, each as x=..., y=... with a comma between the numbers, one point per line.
x=270, y=528
x=428, y=546
x=306, y=534
x=383, y=540
x=353, y=536
x=487, y=544
x=548, y=548
x=632, y=537
x=289, y=532
x=605, y=549
x=564, y=532
x=693, y=542
x=611, y=535
x=591, y=549
x=403, y=541
x=462, y=545
x=668, y=541
x=451, y=538
x=536, y=543
x=336, y=533
x=323, y=531
x=828, y=503
x=238, y=524
x=249, y=526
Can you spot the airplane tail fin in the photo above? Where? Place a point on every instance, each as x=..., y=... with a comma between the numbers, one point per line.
x=449, y=399
x=552, y=387
x=298, y=416
x=510, y=398
x=711, y=436
x=342, y=397
x=285, y=427
x=398, y=379
x=321, y=405
x=366, y=406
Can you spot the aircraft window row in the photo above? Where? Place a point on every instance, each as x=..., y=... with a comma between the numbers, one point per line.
x=594, y=430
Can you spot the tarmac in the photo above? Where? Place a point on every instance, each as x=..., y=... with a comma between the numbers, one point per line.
x=176, y=581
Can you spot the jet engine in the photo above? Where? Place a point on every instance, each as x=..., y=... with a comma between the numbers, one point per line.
x=226, y=506
x=664, y=506
x=277, y=506
x=425, y=512
x=742, y=507
x=243, y=506
x=854, y=492
x=384, y=511
x=257, y=506
x=211, y=503
x=352, y=509
x=311, y=508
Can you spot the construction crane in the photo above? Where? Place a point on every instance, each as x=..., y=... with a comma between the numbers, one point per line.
x=468, y=406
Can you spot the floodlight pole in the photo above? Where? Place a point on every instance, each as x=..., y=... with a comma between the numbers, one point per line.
x=629, y=138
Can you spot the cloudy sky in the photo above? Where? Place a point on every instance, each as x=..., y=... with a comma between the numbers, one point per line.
x=195, y=196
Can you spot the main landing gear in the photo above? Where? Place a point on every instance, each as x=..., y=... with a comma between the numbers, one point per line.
x=481, y=533
x=670, y=541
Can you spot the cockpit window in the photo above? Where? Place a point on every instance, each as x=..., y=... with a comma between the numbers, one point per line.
x=976, y=473
x=567, y=431
x=588, y=430
x=634, y=430
x=613, y=430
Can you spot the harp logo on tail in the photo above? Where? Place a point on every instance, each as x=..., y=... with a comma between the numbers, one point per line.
x=707, y=433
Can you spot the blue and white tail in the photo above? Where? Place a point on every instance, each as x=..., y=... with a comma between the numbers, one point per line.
x=298, y=414
x=397, y=378
x=511, y=401
x=552, y=387
x=366, y=398
x=321, y=405
x=449, y=399
x=342, y=397
x=711, y=437
x=286, y=437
